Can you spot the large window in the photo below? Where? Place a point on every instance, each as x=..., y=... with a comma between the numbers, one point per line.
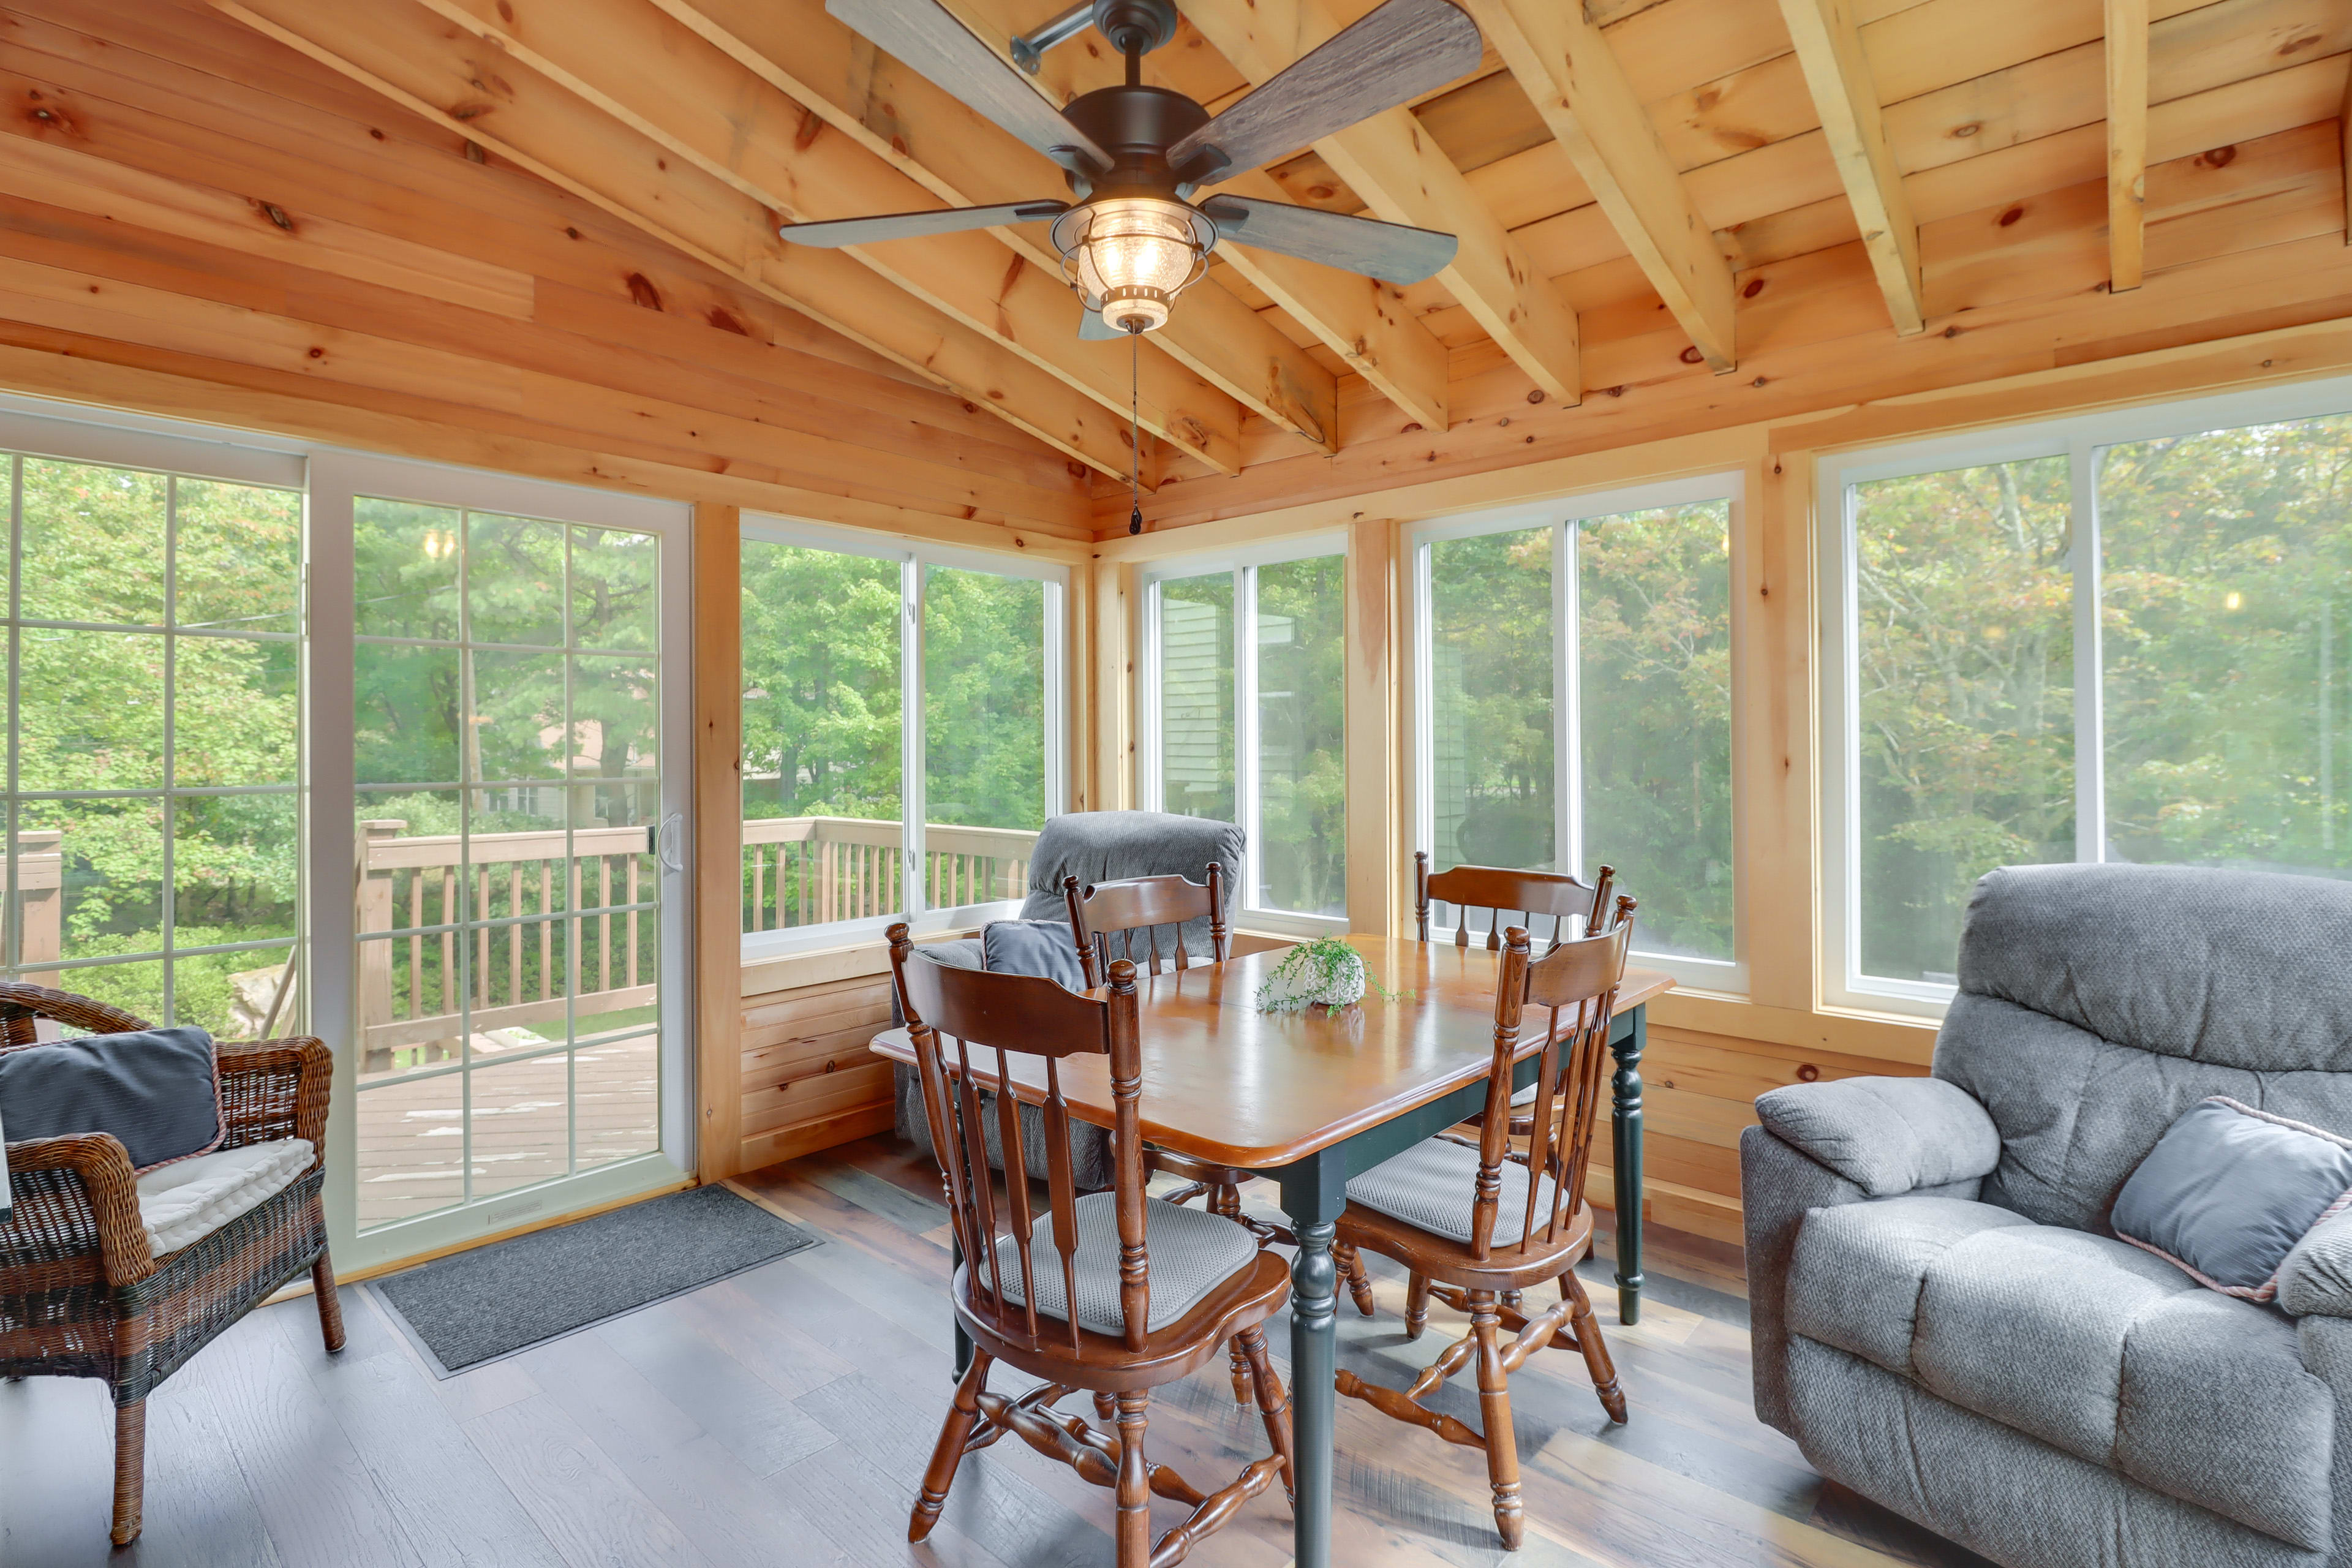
x=1252, y=728
x=2114, y=638
x=862, y=673
x=1573, y=704
x=155, y=741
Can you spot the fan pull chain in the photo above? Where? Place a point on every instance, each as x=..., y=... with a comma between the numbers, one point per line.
x=1134, y=432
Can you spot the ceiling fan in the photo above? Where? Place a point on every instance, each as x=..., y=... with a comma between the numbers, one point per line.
x=1133, y=156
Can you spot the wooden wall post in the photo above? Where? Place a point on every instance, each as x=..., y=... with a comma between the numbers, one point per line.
x=1112, y=637
x=1375, y=739
x=718, y=611
x=1777, y=765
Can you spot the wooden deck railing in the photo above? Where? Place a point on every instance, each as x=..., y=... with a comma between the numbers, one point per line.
x=40, y=911
x=808, y=870
x=416, y=997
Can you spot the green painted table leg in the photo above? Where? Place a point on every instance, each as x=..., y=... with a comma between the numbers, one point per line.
x=1313, y=1192
x=1625, y=1044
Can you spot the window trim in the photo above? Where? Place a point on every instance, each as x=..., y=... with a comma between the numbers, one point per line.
x=1150, y=792
x=2079, y=438
x=913, y=556
x=1562, y=514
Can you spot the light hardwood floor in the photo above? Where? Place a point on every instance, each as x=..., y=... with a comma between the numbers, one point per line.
x=782, y=1418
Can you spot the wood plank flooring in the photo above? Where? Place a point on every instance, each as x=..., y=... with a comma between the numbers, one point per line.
x=782, y=1418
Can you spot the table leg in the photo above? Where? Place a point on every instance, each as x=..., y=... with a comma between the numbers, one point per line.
x=962, y=1339
x=1313, y=1192
x=1626, y=1122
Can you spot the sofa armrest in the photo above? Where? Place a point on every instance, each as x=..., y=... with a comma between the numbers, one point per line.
x=2316, y=1280
x=1886, y=1135
x=276, y=1088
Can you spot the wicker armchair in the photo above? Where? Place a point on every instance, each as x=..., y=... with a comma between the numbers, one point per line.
x=81, y=1295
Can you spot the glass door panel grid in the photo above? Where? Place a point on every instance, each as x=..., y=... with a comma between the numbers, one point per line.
x=154, y=743
x=508, y=703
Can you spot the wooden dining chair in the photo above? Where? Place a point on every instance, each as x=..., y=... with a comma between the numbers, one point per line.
x=1573, y=908
x=1107, y=916
x=1475, y=1222
x=1112, y=1292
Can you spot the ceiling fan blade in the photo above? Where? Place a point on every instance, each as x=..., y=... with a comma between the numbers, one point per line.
x=925, y=35
x=912, y=225
x=1400, y=51
x=1388, y=251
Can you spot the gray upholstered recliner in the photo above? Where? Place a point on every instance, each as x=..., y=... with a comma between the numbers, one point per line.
x=1093, y=846
x=1943, y=1320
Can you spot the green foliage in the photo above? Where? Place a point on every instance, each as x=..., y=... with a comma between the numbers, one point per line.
x=984, y=699
x=821, y=688
x=1653, y=636
x=1302, y=734
x=2226, y=557
x=1312, y=971
x=1653, y=630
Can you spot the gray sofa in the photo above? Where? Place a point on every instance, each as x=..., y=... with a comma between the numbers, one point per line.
x=1943, y=1320
x=1093, y=846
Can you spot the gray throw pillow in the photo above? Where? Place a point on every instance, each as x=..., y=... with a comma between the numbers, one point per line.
x=157, y=1090
x=1042, y=948
x=2227, y=1191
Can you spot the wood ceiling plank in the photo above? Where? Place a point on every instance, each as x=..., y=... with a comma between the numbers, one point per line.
x=1365, y=323
x=2127, y=63
x=130, y=312
x=935, y=139
x=1571, y=73
x=2189, y=52
x=428, y=67
x=1679, y=43
x=1828, y=48
x=673, y=87
x=1401, y=173
x=62, y=176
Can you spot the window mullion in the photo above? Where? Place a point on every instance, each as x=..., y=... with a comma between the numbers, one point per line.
x=1245, y=747
x=911, y=754
x=1568, y=749
x=2090, y=743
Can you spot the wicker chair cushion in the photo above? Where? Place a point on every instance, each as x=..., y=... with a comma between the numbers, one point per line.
x=157, y=1090
x=1432, y=1185
x=1192, y=1252
x=190, y=1199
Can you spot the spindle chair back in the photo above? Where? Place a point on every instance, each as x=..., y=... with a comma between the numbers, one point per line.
x=1573, y=908
x=1143, y=905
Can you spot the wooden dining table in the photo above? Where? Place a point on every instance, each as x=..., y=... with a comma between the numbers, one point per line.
x=1310, y=1099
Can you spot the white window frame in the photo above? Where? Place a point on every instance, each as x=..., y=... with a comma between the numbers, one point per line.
x=1151, y=783
x=326, y=935
x=337, y=479
x=2079, y=439
x=1562, y=514
x=912, y=558
x=34, y=427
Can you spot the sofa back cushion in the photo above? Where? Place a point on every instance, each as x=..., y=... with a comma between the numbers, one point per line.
x=2099, y=1002
x=1112, y=846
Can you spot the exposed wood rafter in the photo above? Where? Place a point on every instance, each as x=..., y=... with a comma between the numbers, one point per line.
x=1404, y=177
x=2126, y=142
x=437, y=70
x=673, y=87
x=932, y=138
x=1829, y=51
x=1577, y=83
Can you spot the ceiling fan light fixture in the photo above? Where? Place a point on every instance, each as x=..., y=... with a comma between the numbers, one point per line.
x=1130, y=256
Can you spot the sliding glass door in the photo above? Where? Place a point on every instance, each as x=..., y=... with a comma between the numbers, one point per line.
x=513, y=847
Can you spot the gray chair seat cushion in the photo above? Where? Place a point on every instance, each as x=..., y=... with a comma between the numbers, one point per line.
x=1432, y=1186
x=2091, y=1345
x=1191, y=1251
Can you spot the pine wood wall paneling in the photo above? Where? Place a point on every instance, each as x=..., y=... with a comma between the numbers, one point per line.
x=1375, y=836
x=718, y=858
